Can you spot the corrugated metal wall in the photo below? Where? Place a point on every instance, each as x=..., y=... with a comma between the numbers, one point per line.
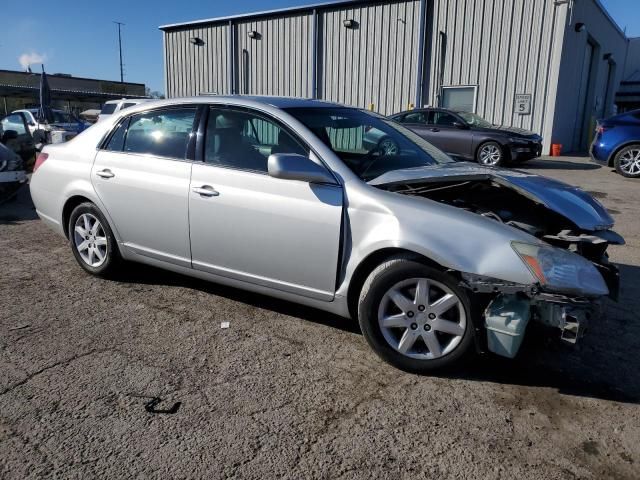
x=192, y=69
x=504, y=47
x=373, y=63
x=279, y=60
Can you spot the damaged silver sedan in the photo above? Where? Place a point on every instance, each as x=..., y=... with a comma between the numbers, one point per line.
x=284, y=197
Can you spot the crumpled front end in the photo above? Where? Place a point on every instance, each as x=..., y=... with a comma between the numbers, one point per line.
x=512, y=307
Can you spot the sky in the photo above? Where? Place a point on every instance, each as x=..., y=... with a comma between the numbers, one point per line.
x=79, y=38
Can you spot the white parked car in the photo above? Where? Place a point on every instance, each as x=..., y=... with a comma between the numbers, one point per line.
x=114, y=106
x=61, y=120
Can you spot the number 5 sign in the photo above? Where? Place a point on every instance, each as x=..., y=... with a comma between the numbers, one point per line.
x=523, y=104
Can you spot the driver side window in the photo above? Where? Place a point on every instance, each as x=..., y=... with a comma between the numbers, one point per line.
x=244, y=140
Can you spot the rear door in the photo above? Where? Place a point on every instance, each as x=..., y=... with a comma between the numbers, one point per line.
x=249, y=226
x=142, y=177
x=417, y=121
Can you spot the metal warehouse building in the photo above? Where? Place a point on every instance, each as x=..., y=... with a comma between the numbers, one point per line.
x=551, y=66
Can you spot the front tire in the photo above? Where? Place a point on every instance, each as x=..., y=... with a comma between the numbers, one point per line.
x=627, y=161
x=491, y=154
x=414, y=316
x=92, y=241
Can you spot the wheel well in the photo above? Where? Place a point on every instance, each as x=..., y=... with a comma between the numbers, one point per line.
x=71, y=203
x=612, y=157
x=505, y=151
x=369, y=264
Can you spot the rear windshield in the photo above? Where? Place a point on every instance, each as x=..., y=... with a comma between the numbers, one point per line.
x=108, y=108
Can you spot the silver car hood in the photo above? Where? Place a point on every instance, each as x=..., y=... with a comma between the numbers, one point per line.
x=569, y=201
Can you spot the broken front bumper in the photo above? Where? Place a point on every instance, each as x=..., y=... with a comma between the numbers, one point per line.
x=514, y=306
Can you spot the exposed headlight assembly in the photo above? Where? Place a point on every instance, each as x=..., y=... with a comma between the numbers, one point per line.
x=560, y=270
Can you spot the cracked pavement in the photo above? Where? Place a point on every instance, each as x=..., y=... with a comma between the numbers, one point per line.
x=135, y=378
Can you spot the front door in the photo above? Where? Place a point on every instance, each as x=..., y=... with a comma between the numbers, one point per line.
x=443, y=132
x=15, y=134
x=248, y=226
x=142, y=178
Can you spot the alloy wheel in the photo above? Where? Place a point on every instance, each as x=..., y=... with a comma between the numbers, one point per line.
x=422, y=318
x=630, y=161
x=90, y=240
x=490, y=155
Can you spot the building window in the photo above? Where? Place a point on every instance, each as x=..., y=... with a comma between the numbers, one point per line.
x=459, y=98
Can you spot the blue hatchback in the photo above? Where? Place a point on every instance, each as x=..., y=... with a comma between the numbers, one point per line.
x=617, y=143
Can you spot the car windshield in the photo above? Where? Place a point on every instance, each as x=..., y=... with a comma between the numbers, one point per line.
x=474, y=120
x=369, y=144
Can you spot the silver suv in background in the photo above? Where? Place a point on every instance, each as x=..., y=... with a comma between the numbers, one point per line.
x=114, y=106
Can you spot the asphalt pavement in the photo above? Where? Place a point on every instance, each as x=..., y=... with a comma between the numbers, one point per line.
x=135, y=378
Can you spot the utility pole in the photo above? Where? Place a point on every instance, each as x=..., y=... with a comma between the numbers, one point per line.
x=120, y=49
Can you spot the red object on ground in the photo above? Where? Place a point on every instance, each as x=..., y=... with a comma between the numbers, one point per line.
x=556, y=149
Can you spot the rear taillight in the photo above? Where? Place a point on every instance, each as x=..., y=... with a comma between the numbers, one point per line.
x=42, y=157
x=601, y=128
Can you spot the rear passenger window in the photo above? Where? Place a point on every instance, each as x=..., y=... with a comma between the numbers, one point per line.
x=414, y=117
x=116, y=142
x=164, y=133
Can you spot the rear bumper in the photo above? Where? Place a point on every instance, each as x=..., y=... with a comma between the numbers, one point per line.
x=11, y=177
x=599, y=154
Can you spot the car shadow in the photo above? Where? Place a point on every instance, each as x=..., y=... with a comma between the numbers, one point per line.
x=604, y=364
x=148, y=275
x=552, y=164
x=18, y=208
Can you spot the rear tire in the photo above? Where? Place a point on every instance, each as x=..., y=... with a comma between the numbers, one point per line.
x=627, y=161
x=92, y=241
x=414, y=316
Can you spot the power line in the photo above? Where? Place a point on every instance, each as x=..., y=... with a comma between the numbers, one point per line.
x=120, y=24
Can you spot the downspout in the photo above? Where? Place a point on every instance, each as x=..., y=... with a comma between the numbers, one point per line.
x=421, y=48
x=231, y=60
x=314, y=54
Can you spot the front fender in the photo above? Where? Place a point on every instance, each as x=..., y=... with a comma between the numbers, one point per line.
x=453, y=238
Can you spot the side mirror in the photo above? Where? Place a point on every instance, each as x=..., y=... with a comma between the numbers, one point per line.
x=32, y=124
x=291, y=166
x=9, y=135
x=460, y=125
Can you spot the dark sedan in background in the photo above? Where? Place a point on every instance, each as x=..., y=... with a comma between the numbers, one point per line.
x=469, y=137
x=617, y=143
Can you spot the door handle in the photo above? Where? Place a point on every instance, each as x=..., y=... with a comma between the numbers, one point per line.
x=106, y=173
x=206, y=191
x=434, y=129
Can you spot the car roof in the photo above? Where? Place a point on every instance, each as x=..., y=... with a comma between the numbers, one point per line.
x=274, y=101
x=36, y=110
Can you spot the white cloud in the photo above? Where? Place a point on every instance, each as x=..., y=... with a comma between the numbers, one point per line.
x=27, y=59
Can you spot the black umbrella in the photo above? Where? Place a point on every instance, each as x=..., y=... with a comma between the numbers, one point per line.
x=45, y=114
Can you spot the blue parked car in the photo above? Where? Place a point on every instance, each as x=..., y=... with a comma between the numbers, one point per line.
x=617, y=143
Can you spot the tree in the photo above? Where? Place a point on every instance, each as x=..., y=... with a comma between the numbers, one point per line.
x=153, y=93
